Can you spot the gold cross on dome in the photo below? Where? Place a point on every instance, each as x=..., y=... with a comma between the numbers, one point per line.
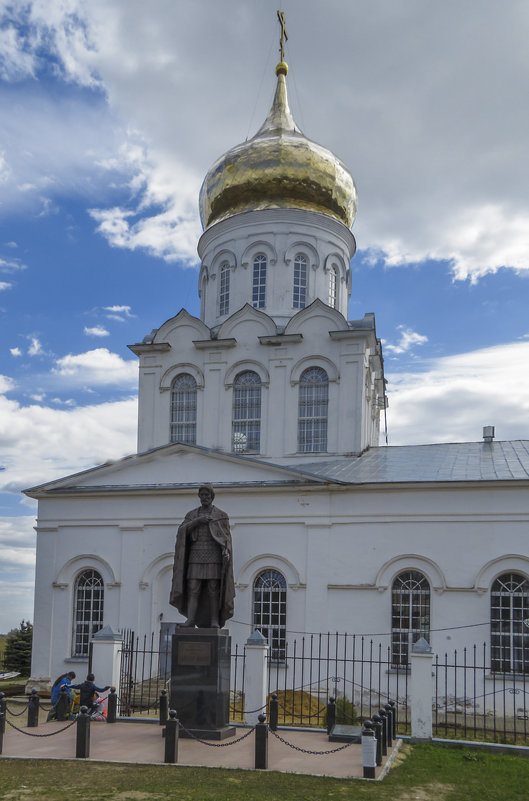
x=284, y=36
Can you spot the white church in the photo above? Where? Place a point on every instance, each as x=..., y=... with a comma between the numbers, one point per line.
x=275, y=397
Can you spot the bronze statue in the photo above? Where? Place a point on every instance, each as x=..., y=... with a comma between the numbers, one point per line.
x=203, y=587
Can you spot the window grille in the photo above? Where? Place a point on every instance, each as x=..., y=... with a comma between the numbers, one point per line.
x=259, y=281
x=313, y=410
x=224, y=289
x=300, y=281
x=246, y=421
x=509, y=624
x=333, y=287
x=88, y=610
x=270, y=611
x=184, y=409
x=410, y=614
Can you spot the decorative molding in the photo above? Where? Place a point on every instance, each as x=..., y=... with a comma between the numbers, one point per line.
x=60, y=585
x=314, y=361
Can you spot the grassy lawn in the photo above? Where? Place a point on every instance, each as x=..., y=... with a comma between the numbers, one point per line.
x=424, y=773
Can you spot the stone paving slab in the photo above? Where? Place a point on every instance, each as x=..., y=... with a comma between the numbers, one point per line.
x=143, y=743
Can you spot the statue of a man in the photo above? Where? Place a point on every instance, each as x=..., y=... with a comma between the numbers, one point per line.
x=203, y=587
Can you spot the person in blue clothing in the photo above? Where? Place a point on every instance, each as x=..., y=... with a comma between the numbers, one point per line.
x=65, y=680
x=88, y=693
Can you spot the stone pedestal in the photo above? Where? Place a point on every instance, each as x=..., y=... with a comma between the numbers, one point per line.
x=200, y=682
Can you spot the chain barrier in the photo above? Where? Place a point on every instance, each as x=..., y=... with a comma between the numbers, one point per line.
x=306, y=751
x=16, y=714
x=217, y=745
x=249, y=712
x=49, y=734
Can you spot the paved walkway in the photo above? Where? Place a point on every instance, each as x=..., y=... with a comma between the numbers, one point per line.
x=143, y=743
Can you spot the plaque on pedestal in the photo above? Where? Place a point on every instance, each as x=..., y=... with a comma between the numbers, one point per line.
x=200, y=682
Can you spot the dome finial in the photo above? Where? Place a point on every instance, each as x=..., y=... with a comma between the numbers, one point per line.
x=282, y=67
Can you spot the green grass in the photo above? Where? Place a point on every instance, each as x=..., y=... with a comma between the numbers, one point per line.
x=428, y=773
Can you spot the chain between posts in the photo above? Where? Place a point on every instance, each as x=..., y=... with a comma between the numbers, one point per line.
x=49, y=734
x=217, y=745
x=16, y=714
x=306, y=751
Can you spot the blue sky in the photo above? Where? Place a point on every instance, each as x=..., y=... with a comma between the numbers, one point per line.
x=111, y=113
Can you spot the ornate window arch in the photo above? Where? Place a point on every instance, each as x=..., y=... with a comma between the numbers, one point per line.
x=224, y=288
x=260, y=262
x=299, y=291
x=184, y=409
x=269, y=612
x=509, y=633
x=246, y=415
x=313, y=410
x=89, y=591
x=410, y=614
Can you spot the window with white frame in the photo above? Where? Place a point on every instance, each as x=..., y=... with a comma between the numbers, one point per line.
x=509, y=624
x=299, y=294
x=246, y=418
x=88, y=610
x=410, y=614
x=224, y=288
x=313, y=410
x=259, y=281
x=333, y=287
x=270, y=611
x=184, y=409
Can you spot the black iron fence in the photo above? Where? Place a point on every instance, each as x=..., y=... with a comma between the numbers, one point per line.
x=469, y=700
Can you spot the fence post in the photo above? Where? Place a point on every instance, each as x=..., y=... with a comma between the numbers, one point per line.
x=261, y=744
x=33, y=709
x=106, y=656
x=331, y=714
x=3, y=711
x=274, y=713
x=377, y=727
x=389, y=714
x=62, y=705
x=369, y=750
x=256, y=657
x=384, y=721
x=112, y=708
x=82, y=743
x=164, y=707
x=171, y=738
x=421, y=658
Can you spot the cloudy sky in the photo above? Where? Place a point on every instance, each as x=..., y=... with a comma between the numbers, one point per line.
x=111, y=113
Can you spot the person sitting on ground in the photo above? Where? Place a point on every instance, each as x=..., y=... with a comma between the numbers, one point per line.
x=65, y=680
x=88, y=692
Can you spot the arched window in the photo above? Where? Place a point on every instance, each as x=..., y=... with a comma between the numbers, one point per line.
x=259, y=281
x=224, y=288
x=509, y=621
x=270, y=611
x=246, y=420
x=410, y=614
x=184, y=409
x=313, y=408
x=299, y=295
x=333, y=287
x=88, y=610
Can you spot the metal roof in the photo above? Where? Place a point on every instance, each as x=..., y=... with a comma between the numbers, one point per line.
x=454, y=461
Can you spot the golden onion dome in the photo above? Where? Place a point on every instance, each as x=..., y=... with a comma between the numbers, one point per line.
x=278, y=168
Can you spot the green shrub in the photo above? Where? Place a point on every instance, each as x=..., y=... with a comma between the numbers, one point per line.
x=17, y=653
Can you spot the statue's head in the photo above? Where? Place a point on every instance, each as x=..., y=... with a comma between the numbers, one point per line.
x=206, y=493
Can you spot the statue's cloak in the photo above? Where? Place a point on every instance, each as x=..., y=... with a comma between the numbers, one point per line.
x=219, y=528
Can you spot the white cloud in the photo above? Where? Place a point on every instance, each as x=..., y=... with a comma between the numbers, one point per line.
x=119, y=310
x=5, y=285
x=452, y=398
x=11, y=265
x=15, y=351
x=96, y=331
x=35, y=349
x=408, y=339
x=98, y=366
x=17, y=567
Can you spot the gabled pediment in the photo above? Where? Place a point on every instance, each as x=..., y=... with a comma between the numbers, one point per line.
x=261, y=324
x=183, y=319
x=175, y=466
x=318, y=312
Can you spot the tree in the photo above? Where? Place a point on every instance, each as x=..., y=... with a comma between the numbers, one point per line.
x=17, y=654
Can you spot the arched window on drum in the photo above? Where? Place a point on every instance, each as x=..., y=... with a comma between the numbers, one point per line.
x=184, y=409
x=246, y=416
x=313, y=410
